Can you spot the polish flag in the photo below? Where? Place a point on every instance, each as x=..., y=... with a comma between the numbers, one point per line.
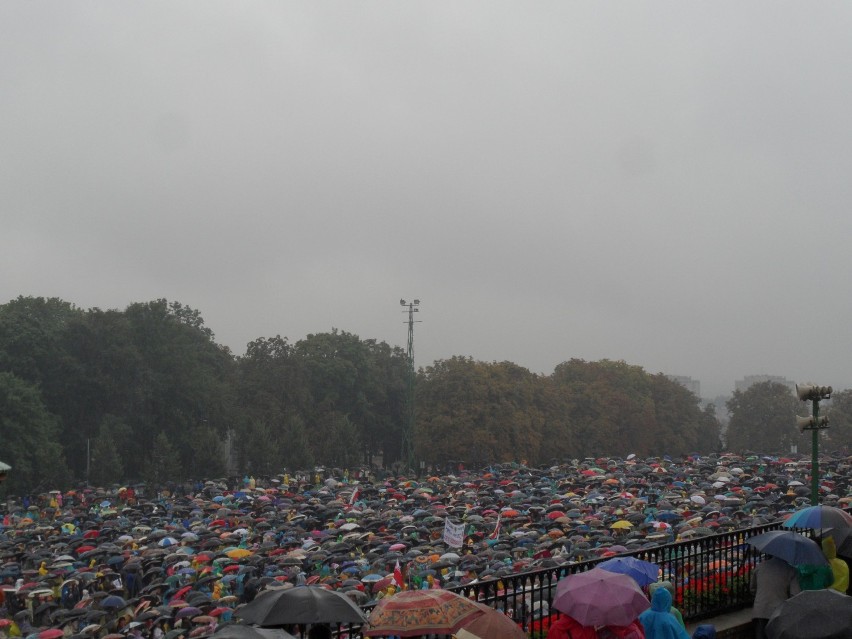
x=355, y=494
x=496, y=532
x=397, y=575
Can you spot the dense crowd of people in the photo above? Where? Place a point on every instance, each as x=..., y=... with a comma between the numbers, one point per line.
x=159, y=562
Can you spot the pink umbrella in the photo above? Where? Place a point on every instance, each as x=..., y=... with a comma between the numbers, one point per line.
x=598, y=597
x=492, y=623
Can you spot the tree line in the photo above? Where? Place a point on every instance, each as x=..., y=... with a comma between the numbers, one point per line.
x=146, y=394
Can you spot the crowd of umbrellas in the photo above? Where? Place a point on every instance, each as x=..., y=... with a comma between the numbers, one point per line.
x=224, y=558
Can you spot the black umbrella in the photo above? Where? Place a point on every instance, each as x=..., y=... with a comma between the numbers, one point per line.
x=812, y=614
x=238, y=631
x=790, y=546
x=303, y=604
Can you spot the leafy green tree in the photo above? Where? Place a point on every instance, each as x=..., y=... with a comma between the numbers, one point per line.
x=31, y=341
x=608, y=407
x=360, y=379
x=105, y=390
x=838, y=435
x=262, y=447
x=478, y=412
x=28, y=432
x=763, y=419
x=210, y=457
x=163, y=462
x=106, y=464
x=186, y=380
x=298, y=452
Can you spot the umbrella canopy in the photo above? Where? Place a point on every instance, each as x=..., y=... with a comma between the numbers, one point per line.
x=843, y=541
x=598, y=597
x=643, y=572
x=238, y=631
x=492, y=623
x=419, y=612
x=819, y=517
x=113, y=602
x=812, y=614
x=302, y=604
x=790, y=546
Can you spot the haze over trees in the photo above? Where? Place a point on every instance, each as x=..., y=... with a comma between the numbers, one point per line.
x=146, y=394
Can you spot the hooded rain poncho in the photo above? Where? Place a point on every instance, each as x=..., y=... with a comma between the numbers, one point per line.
x=658, y=622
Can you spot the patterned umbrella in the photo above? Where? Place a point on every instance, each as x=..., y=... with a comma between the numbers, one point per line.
x=421, y=612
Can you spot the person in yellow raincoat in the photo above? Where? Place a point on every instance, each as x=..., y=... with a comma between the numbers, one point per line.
x=838, y=567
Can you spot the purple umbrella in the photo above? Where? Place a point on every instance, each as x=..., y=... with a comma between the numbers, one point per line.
x=598, y=597
x=188, y=611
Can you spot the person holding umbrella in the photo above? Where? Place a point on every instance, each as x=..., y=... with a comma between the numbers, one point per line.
x=838, y=567
x=773, y=581
x=569, y=628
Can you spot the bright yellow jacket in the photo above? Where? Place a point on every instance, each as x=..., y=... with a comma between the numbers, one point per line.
x=838, y=567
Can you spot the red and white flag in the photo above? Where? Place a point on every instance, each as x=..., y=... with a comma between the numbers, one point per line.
x=496, y=532
x=355, y=494
x=397, y=574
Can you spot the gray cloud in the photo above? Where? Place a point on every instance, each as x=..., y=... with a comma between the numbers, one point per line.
x=662, y=183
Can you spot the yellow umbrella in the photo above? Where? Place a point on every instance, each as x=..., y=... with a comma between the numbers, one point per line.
x=238, y=553
x=621, y=524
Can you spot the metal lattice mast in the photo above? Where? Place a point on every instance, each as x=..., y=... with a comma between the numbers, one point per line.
x=408, y=422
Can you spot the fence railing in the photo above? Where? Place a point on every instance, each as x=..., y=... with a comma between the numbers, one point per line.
x=710, y=576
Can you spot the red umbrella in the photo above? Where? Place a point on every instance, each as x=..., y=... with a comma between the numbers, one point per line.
x=52, y=633
x=420, y=612
x=181, y=593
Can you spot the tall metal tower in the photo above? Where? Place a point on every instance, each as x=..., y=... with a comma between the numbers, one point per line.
x=408, y=425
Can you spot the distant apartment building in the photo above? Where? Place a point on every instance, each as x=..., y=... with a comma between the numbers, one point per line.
x=750, y=380
x=688, y=383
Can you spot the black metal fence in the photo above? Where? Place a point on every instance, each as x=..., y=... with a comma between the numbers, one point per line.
x=710, y=576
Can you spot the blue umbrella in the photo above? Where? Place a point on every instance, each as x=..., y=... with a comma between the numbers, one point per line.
x=790, y=546
x=819, y=517
x=113, y=602
x=642, y=572
x=667, y=516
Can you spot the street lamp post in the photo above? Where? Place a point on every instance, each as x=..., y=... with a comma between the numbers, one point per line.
x=408, y=426
x=814, y=423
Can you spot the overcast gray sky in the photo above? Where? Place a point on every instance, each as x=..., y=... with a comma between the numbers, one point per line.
x=666, y=183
